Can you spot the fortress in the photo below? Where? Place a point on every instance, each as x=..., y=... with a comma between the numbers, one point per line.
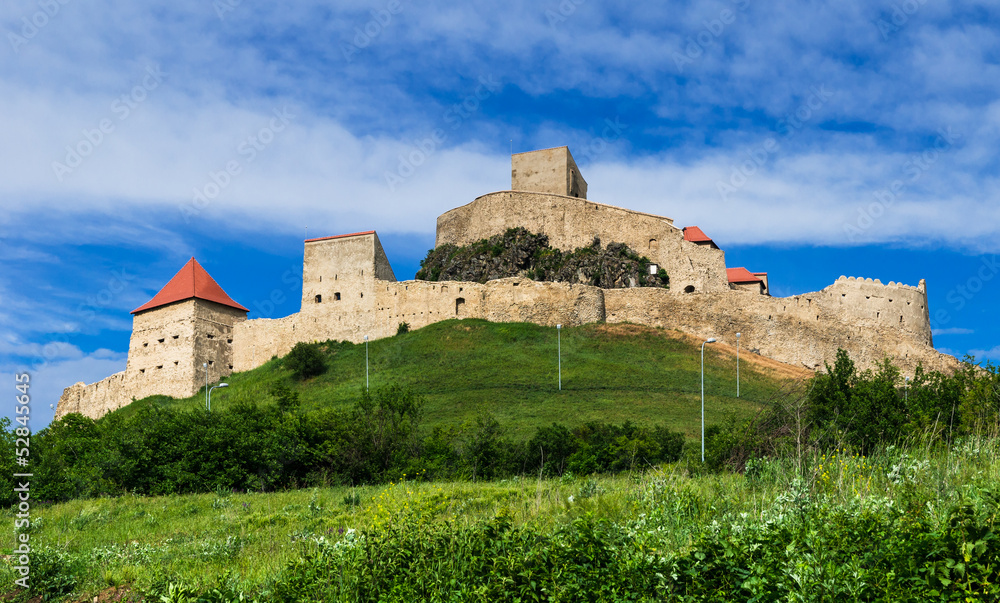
x=191, y=332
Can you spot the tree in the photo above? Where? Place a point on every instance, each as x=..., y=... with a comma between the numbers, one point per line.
x=305, y=360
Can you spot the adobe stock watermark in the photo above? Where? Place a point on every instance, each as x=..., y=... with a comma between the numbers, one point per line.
x=248, y=149
x=562, y=11
x=885, y=198
x=760, y=154
x=598, y=145
x=224, y=7
x=35, y=23
x=959, y=296
x=422, y=149
x=370, y=31
x=92, y=138
x=898, y=17
x=712, y=29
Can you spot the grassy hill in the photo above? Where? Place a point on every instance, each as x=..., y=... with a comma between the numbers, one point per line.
x=610, y=373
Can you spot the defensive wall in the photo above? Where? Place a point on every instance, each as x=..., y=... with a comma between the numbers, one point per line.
x=350, y=291
x=571, y=222
x=869, y=320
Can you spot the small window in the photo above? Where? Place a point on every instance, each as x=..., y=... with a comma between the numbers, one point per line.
x=175, y=336
x=159, y=366
x=689, y=289
x=319, y=299
x=211, y=362
x=336, y=297
x=230, y=340
x=459, y=306
x=161, y=340
x=362, y=295
x=145, y=344
x=175, y=363
x=143, y=371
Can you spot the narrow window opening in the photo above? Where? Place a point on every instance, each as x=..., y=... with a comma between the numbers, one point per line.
x=176, y=336
x=459, y=306
x=159, y=366
x=211, y=362
x=319, y=299
x=161, y=340
x=336, y=297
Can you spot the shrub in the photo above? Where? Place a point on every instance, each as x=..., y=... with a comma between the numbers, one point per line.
x=403, y=328
x=305, y=360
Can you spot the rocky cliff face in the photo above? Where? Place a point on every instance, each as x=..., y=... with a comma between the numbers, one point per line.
x=518, y=252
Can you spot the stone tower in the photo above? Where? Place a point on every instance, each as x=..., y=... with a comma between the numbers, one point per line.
x=547, y=171
x=187, y=325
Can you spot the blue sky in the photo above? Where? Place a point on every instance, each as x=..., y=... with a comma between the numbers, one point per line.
x=810, y=140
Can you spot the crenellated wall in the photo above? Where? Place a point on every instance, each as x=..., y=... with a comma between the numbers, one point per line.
x=869, y=320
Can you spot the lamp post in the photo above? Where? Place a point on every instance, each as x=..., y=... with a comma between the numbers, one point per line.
x=737, y=365
x=366, y=363
x=906, y=390
x=205, y=364
x=559, y=340
x=709, y=340
x=210, y=394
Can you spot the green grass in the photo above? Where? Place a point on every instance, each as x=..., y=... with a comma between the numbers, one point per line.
x=196, y=539
x=610, y=373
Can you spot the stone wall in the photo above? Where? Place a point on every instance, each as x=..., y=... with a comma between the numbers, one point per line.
x=571, y=223
x=167, y=351
x=869, y=320
x=418, y=303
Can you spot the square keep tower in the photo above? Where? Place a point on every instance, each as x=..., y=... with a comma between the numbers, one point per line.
x=547, y=171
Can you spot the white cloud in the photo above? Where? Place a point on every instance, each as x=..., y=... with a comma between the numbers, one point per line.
x=952, y=331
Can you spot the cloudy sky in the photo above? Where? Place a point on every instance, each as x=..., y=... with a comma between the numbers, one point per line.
x=808, y=139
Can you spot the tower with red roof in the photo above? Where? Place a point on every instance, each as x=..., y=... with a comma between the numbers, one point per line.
x=183, y=328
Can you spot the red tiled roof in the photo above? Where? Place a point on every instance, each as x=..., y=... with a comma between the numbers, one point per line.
x=760, y=274
x=190, y=282
x=695, y=235
x=343, y=236
x=742, y=275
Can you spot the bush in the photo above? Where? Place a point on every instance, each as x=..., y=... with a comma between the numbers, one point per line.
x=403, y=328
x=305, y=360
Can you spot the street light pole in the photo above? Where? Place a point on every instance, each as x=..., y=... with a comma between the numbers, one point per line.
x=737, y=365
x=206, y=383
x=366, y=363
x=709, y=340
x=210, y=394
x=906, y=390
x=559, y=338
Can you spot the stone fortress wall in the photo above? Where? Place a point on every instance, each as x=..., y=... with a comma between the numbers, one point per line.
x=349, y=291
x=167, y=351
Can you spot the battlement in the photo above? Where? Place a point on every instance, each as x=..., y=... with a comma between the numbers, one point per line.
x=876, y=282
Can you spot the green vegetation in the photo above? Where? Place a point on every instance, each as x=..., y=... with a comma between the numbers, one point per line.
x=912, y=524
x=518, y=252
x=466, y=368
x=305, y=360
x=856, y=487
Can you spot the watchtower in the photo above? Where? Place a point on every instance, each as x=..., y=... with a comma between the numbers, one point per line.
x=187, y=325
x=547, y=171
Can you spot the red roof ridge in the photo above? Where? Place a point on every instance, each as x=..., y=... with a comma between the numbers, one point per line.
x=742, y=275
x=190, y=282
x=341, y=236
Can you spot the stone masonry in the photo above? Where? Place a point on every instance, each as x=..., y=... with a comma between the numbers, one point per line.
x=349, y=291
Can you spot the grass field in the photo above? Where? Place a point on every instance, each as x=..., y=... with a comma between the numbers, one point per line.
x=610, y=373
x=828, y=508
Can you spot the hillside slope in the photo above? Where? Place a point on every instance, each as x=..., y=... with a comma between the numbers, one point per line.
x=610, y=373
